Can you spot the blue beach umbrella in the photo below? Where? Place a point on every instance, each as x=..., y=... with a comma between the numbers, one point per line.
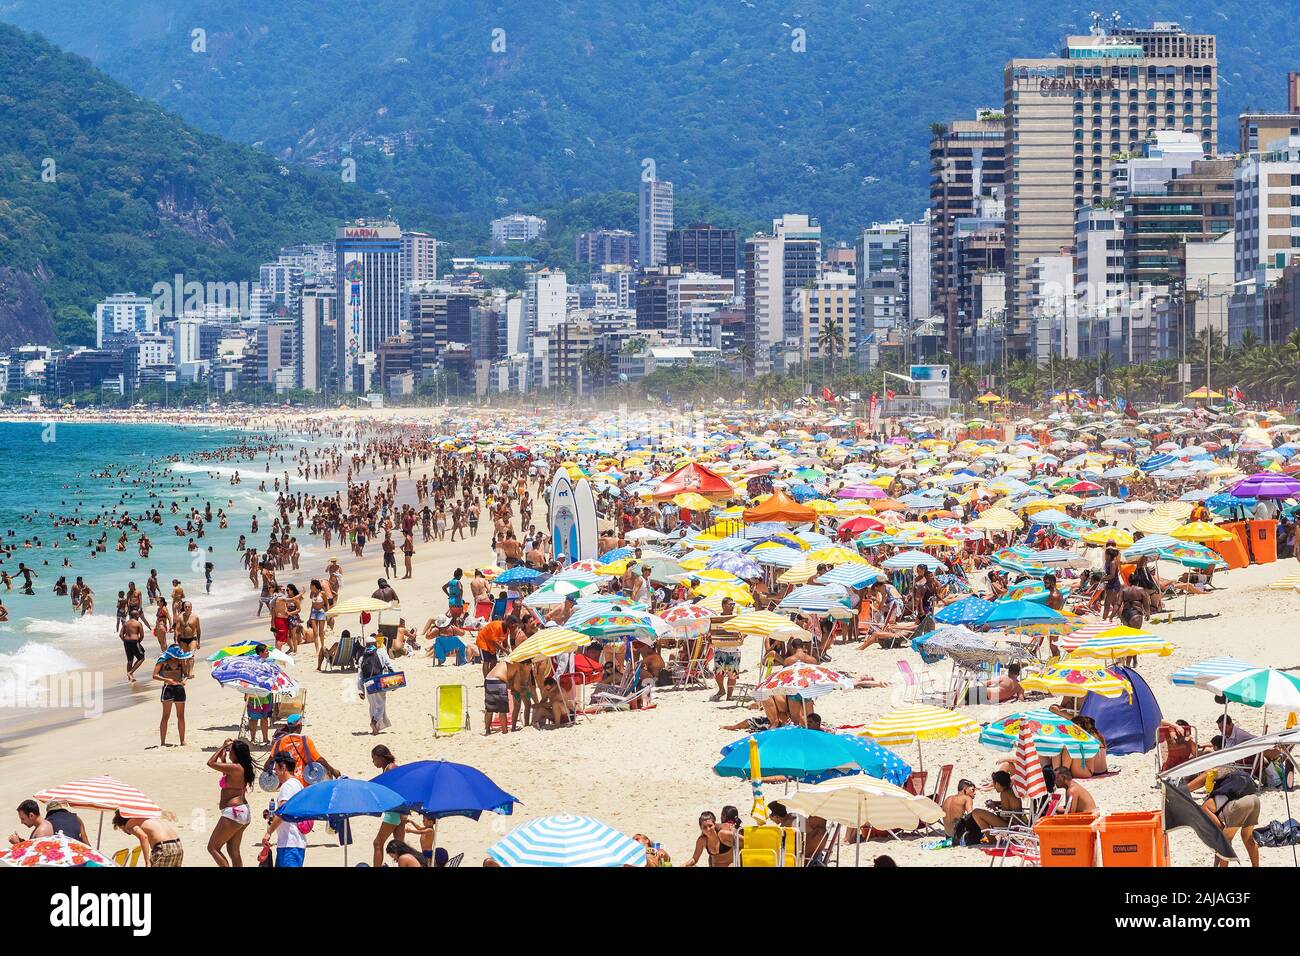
x=439, y=788
x=811, y=755
x=971, y=610
x=519, y=575
x=1014, y=613
x=341, y=798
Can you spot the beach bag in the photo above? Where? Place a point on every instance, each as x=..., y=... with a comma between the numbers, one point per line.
x=371, y=666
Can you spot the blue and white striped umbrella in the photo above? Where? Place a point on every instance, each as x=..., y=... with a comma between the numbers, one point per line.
x=912, y=559
x=1150, y=544
x=567, y=840
x=777, y=557
x=852, y=575
x=813, y=599
x=1203, y=672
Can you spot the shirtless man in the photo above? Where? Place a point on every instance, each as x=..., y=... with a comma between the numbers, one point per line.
x=1077, y=799
x=189, y=634
x=132, y=635
x=1006, y=686
x=279, y=607
x=958, y=805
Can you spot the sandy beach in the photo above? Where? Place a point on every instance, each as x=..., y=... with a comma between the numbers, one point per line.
x=646, y=771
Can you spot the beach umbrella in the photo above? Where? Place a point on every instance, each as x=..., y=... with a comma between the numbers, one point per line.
x=919, y=722
x=56, y=850
x=1122, y=642
x=807, y=755
x=1026, y=769
x=439, y=788
x=1267, y=484
x=806, y=680
x=736, y=564
x=763, y=623
x=248, y=649
x=344, y=797
x=852, y=575
x=1076, y=679
x=103, y=793
x=688, y=620
x=615, y=625
x=567, y=840
x=737, y=592
x=862, y=801
x=958, y=641
x=1014, y=613
x=1201, y=531
x=1050, y=732
x=1203, y=673
x=1263, y=687
x=970, y=610
x=517, y=575
x=548, y=642
x=253, y=677
x=911, y=559
x=814, y=599
x=1100, y=537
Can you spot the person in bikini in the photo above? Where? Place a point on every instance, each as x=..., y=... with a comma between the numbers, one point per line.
x=235, y=764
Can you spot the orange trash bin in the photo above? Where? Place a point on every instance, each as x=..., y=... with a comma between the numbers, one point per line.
x=1233, y=551
x=1263, y=541
x=1132, y=839
x=1067, y=840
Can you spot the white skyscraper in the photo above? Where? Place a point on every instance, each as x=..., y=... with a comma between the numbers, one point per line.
x=656, y=221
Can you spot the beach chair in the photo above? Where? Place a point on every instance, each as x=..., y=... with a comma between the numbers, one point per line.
x=344, y=656
x=287, y=705
x=743, y=693
x=915, y=784
x=918, y=688
x=455, y=861
x=691, y=672
x=127, y=857
x=631, y=695
x=941, y=786
x=451, y=709
x=1012, y=842
x=780, y=842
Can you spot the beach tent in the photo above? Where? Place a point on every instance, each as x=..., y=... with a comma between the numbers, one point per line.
x=692, y=476
x=1128, y=722
x=779, y=507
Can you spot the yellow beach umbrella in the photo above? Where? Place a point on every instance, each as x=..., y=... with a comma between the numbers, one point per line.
x=1201, y=531
x=693, y=500
x=834, y=554
x=801, y=573
x=1076, y=679
x=1121, y=642
x=547, y=643
x=717, y=574
x=738, y=593
x=1099, y=537
x=919, y=722
x=1155, y=523
x=990, y=398
x=756, y=622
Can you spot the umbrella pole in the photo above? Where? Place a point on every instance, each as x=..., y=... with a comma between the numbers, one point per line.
x=100, y=832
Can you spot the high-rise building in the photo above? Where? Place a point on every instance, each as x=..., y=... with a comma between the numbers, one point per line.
x=122, y=316
x=703, y=248
x=316, y=330
x=1194, y=205
x=1099, y=283
x=1267, y=225
x=419, y=264
x=777, y=266
x=1069, y=116
x=967, y=179
x=369, y=297
x=655, y=222
x=831, y=304
x=602, y=247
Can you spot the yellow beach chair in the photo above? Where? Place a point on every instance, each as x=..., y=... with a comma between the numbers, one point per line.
x=451, y=703
x=127, y=857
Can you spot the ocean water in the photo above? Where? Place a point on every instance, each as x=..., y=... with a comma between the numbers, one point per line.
x=68, y=469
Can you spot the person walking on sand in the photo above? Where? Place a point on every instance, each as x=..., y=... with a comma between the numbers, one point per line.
x=374, y=661
x=132, y=635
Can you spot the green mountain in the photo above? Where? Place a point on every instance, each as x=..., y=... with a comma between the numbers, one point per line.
x=102, y=191
x=465, y=110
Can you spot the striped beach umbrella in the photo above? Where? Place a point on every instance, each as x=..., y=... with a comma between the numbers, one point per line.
x=762, y=623
x=1262, y=687
x=919, y=722
x=567, y=840
x=103, y=793
x=1203, y=673
x=801, y=573
x=1050, y=732
x=1026, y=769
x=814, y=599
x=548, y=642
x=1123, y=642
x=1075, y=679
x=1081, y=632
x=911, y=559
x=852, y=575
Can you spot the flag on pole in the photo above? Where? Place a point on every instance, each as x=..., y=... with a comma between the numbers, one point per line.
x=1027, y=770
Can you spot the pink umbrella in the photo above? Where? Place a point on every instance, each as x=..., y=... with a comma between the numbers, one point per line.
x=860, y=491
x=688, y=620
x=103, y=793
x=806, y=680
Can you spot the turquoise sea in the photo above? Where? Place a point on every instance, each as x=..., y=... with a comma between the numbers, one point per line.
x=66, y=469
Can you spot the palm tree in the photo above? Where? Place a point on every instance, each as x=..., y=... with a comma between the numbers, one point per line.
x=595, y=363
x=746, y=355
x=831, y=339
